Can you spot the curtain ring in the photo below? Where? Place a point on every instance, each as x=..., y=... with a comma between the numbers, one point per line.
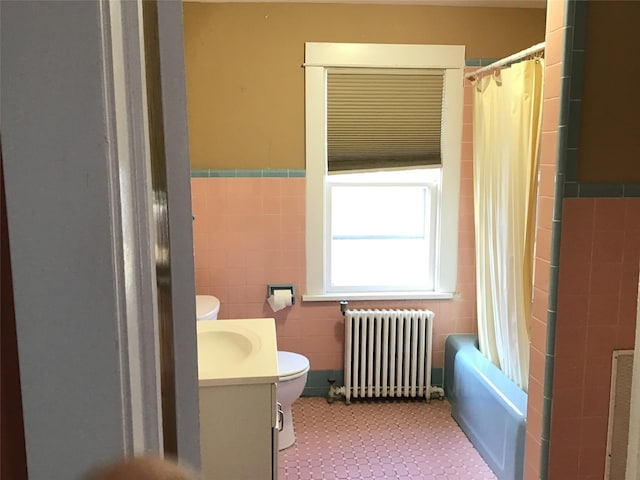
x=497, y=77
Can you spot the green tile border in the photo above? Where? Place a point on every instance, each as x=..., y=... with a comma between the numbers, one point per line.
x=631, y=189
x=577, y=81
x=601, y=190
x=566, y=186
x=573, y=189
x=248, y=173
x=437, y=377
x=565, y=172
x=479, y=62
x=318, y=381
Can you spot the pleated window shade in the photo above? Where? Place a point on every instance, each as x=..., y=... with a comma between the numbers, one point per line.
x=383, y=120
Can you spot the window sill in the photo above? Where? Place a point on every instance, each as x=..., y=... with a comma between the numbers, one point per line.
x=334, y=297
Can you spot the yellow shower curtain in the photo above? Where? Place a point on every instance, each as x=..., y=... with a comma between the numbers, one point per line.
x=506, y=132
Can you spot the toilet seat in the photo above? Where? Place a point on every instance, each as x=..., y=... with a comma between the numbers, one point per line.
x=291, y=365
x=207, y=307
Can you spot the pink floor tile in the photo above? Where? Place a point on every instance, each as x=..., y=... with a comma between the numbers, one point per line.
x=374, y=440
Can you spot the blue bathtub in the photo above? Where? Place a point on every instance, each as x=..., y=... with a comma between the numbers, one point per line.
x=490, y=408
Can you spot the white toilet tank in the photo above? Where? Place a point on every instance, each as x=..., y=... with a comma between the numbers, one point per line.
x=207, y=307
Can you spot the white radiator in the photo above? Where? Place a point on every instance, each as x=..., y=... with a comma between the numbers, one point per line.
x=388, y=353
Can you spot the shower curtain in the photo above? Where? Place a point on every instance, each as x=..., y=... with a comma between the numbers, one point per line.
x=506, y=132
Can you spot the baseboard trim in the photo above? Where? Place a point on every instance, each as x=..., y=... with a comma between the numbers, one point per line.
x=318, y=381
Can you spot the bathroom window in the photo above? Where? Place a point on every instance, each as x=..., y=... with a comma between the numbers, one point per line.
x=382, y=189
x=382, y=228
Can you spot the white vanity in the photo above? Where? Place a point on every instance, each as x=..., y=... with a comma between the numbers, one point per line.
x=237, y=372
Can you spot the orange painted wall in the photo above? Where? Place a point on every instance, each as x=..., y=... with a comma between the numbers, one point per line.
x=609, y=140
x=245, y=81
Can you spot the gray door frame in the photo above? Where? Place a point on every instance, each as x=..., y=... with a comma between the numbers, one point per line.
x=81, y=232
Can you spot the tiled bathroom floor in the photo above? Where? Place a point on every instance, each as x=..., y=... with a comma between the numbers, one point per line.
x=403, y=440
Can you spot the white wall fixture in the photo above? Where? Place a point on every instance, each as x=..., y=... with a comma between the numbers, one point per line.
x=619, y=408
x=633, y=449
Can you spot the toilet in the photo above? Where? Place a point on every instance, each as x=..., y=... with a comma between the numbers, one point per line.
x=207, y=307
x=292, y=372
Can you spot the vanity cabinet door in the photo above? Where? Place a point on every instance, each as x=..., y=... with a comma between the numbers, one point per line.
x=236, y=432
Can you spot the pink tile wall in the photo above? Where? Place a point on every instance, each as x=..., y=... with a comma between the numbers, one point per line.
x=597, y=295
x=249, y=232
x=546, y=192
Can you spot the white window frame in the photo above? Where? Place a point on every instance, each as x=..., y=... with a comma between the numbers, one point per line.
x=318, y=58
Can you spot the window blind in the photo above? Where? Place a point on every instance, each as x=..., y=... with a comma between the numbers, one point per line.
x=383, y=120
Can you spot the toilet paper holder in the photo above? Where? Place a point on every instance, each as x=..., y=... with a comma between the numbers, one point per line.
x=272, y=287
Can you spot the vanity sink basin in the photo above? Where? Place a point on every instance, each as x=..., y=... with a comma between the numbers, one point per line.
x=227, y=345
x=237, y=351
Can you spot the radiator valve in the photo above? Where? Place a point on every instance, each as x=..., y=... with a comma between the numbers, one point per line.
x=437, y=392
x=334, y=391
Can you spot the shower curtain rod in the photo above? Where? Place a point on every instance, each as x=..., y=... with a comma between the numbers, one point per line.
x=510, y=59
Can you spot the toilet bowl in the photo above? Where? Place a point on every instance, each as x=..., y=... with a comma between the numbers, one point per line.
x=292, y=372
x=207, y=307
